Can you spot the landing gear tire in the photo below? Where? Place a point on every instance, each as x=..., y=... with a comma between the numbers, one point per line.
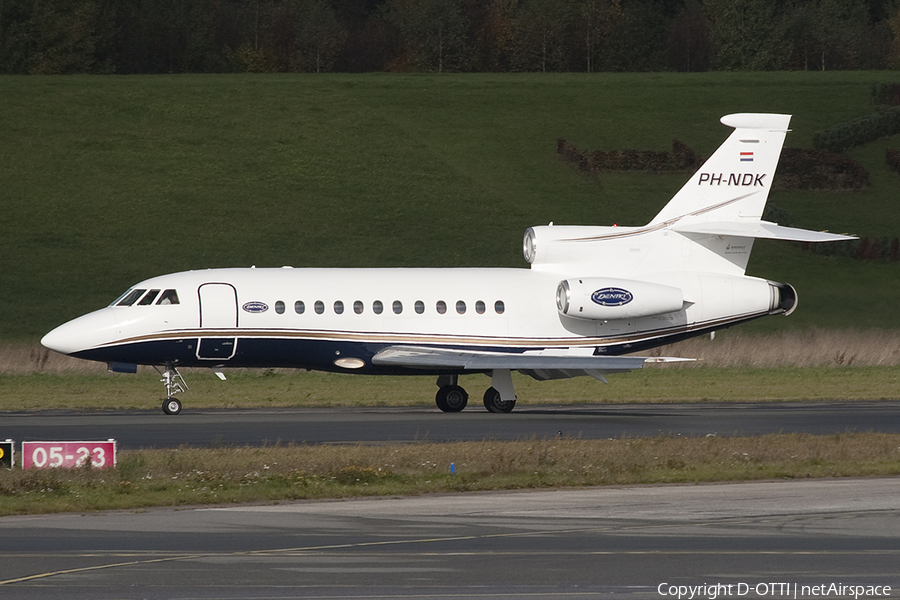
x=451, y=398
x=171, y=406
x=494, y=404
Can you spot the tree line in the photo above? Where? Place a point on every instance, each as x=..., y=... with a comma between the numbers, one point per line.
x=214, y=36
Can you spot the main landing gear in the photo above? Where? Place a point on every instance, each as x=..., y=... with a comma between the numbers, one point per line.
x=174, y=383
x=451, y=397
x=495, y=404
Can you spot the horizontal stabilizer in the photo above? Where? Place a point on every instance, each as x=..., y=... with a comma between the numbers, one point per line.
x=760, y=229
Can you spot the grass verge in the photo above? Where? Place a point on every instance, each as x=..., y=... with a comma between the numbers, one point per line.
x=188, y=476
x=266, y=389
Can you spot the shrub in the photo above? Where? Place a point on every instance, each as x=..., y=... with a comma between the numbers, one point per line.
x=892, y=157
x=819, y=170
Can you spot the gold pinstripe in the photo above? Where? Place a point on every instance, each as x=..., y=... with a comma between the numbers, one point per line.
x=431, y=338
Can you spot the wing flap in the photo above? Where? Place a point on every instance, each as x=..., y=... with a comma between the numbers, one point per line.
x=467, y=360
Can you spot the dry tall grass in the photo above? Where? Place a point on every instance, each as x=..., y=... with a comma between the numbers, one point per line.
x=24, y=359
x=808, y=348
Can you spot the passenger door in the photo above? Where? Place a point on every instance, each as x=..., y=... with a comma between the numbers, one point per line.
x=218, y=315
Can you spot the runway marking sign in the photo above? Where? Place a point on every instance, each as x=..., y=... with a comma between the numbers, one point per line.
x=7, y=454
x=68, y=455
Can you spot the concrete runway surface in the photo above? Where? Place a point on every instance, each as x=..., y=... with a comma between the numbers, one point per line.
x=772, y=538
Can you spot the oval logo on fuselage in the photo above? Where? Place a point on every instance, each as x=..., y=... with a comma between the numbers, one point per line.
x=612, y=296
x=255, y=307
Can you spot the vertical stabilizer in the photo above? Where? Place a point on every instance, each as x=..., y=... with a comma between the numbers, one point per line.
x=734, y=183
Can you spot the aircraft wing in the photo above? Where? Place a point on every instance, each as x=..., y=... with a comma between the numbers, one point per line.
x=761, y=229
x=537, y=365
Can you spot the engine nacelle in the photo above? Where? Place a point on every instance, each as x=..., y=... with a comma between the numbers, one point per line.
x=550, y=245
x=605, y=298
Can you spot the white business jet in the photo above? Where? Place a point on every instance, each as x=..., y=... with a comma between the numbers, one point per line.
x=591, y=295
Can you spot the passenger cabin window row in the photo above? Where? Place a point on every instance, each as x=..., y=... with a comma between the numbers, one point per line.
x=137, y=297
x=440, y=307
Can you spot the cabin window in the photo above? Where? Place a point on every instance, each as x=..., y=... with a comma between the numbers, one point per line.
x=320, y=307
x=130, y=298
x=420, y=307
x=441, y=307
x=168, y=297
x=397, y=307
x=461, y=307
x=358, y=307
x=149, y=298
x=499, y=307
x=299, y=307
x=377, y=307
x=279, y=307
x=479, y=307
x=338, y=307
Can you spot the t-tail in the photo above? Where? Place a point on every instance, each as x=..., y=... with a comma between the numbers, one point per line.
x=708, y=227
x=720, y=208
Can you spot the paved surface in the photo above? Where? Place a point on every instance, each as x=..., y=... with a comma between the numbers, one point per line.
x=134, y=429
x=772, y=537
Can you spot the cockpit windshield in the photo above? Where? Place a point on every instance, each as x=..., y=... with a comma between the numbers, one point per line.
x=149, y=298
x=144, y=298
x=130, y=297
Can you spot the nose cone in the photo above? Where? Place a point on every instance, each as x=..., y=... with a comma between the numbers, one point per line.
x=83, y=333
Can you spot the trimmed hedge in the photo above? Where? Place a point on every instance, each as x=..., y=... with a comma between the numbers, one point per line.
x=822, y=170
x=859, y=131
x=883, y=248
x=681, y=158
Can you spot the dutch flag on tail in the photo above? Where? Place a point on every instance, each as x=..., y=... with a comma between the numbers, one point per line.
x=746, y=156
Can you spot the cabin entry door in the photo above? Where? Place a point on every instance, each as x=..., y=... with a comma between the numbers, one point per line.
x=218, y=320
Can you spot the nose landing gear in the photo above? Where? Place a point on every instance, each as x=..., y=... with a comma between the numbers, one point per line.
x=171, y=406
x=175, y=384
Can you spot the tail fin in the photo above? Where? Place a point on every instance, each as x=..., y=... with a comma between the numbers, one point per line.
x=720, y=208
x=734, y=183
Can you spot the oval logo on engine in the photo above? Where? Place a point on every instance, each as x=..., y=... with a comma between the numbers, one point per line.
x=612, y=296
x=255, y=307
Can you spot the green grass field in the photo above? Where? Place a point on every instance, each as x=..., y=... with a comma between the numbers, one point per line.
x=109, y=180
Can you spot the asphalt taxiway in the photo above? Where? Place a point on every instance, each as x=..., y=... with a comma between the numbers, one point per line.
x=196, y=427
x=624, y=542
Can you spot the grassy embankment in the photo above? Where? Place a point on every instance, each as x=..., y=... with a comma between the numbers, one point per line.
x=110, y=180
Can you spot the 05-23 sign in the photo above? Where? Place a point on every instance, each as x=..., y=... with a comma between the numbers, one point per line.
x=67, y=455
